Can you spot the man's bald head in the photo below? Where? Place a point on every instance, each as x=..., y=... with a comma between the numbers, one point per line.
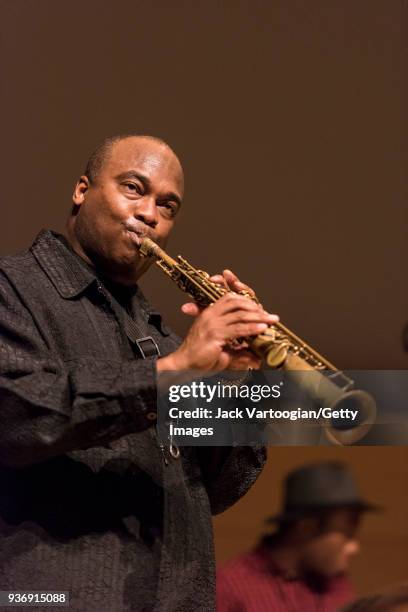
x=132, y=187
x=104, y=150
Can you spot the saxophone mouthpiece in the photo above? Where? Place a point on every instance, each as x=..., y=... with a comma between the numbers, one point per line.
x=147, y=247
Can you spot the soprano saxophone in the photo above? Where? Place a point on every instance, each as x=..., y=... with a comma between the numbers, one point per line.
x=279, y=347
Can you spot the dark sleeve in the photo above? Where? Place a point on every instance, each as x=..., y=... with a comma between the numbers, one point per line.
x=49, y=407
x=229, y=472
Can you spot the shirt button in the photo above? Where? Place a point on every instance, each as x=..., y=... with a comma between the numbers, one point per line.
x=152, y=416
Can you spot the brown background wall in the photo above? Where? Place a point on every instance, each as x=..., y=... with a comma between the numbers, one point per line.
x=291, y=120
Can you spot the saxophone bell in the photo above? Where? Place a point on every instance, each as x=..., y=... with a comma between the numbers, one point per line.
x=333, y=389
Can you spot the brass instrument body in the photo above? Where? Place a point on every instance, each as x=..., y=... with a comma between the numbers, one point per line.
x=279, y=347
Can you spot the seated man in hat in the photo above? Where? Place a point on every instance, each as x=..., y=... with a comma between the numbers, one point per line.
x=303, y=565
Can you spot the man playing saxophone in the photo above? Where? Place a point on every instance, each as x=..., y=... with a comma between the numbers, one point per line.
x=92, y=505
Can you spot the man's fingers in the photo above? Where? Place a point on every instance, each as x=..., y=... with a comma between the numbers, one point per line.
x=191, y=309
x=235, y=310
x=237, y=304
x=241, y=330
x=243, y=316
x=229, y=280
x=243, y=359
x=232, y=301
x=222, y=362
x=219, y=280
x=235, y=284
x=230, y=276
x=229, y=303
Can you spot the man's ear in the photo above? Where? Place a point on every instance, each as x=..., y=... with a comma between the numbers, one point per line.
x=80, y=190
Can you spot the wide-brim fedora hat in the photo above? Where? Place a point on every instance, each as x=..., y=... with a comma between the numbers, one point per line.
x=320, y=486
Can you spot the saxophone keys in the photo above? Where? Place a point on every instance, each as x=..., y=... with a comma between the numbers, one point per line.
x=276, y=355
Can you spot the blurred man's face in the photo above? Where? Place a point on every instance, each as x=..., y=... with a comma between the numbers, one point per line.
x=137, y=193
x=328, y=553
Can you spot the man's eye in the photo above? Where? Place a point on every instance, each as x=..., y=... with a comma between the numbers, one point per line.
x=133, y=187
x=170, y=208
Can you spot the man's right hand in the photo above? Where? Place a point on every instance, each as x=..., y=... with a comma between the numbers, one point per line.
x=206, y=345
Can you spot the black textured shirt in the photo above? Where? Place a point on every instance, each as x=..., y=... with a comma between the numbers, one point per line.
x=87, y=504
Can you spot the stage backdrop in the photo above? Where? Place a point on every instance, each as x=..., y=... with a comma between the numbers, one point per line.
x=291, y=121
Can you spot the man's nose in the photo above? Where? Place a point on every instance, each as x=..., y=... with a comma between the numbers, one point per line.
x=352, y=548
x=146, y=211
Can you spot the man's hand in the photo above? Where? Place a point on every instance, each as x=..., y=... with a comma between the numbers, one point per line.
x=208, y=344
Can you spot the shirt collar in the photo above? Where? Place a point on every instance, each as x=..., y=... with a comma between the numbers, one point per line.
x=71, y=276
x=62, y=266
